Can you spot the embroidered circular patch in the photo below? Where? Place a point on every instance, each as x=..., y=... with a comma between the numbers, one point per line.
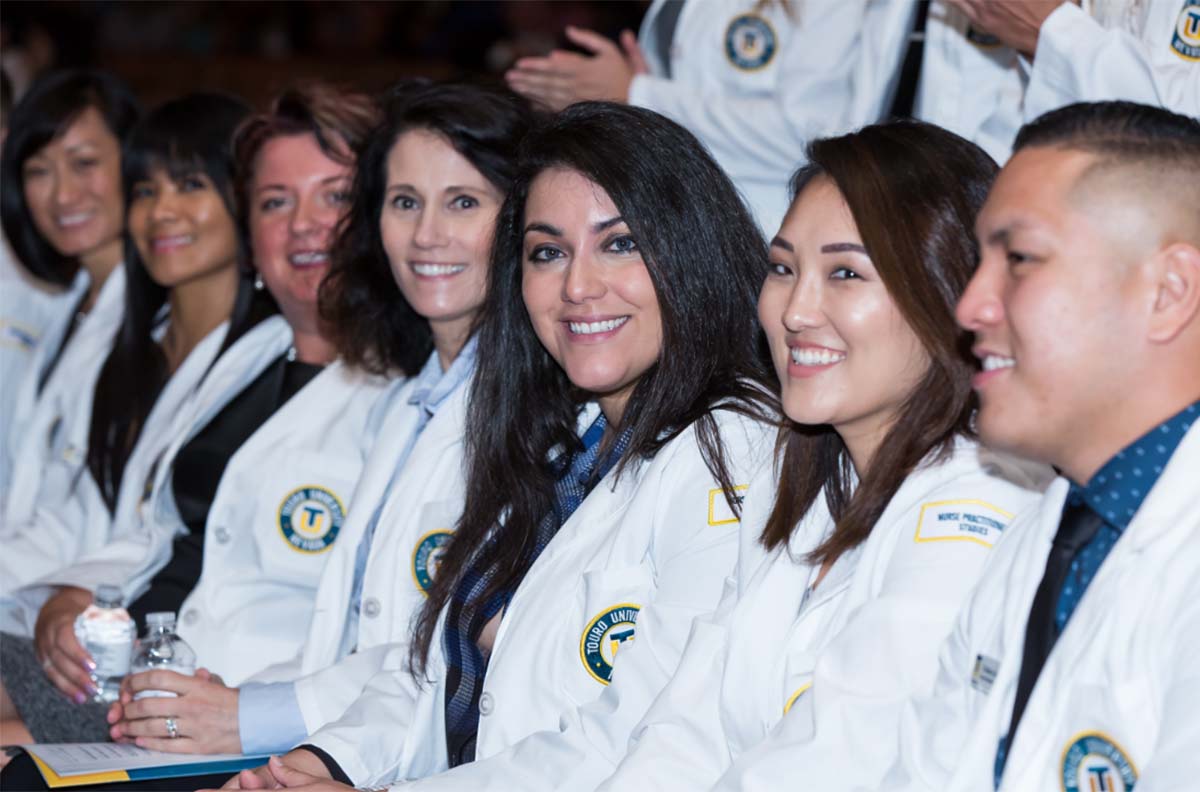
x=310, y=519
x=1186, y=41
x=1093, y=761
x=603, y=638
x=427, y=557
x=750, y=42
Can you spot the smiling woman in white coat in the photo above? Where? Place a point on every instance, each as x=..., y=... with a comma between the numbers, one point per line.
x=203, y=478
x=428, y=187
x=618, y=411
x=887, y=507
x=63, y=214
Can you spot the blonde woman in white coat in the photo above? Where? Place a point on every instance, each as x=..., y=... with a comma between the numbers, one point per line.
x=755, y=80
x=887, y=508
x=63, y=214
x=605, y=531
x=429, y=184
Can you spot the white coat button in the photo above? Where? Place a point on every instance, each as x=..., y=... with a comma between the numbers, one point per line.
x=222, y=535
x=191, y=616
x=371, y=607
x=486, y=704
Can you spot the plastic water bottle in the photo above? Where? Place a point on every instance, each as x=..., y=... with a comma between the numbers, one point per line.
x=162, y=649
x=107, y=632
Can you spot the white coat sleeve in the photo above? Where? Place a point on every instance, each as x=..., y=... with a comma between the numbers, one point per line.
x=369, y=740
x=692, y=560
x=886, y=653
x=1077, y=60
x=821, y=90
x=1174, y=762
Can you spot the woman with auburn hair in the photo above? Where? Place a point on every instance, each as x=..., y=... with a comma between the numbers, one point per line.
x=883, y=508
x=618, y=410
x=229, y=525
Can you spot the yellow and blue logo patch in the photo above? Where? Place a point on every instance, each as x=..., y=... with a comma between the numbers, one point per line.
x=603, y=637
x=427, y=557
x=750, y=42
x=1093, y=762
x=792, y=699
x=1186, y=41
x=310, y=519
x=17, y=336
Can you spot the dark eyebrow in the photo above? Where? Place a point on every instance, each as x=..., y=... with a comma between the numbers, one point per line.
x=606, y=224
x=844, y=247
x=544, y=228
x=780, y=242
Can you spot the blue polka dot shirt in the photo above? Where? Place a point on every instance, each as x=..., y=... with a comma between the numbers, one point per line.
x=1116, y=493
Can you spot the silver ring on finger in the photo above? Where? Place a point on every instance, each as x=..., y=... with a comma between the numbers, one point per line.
x=47, y=664
x=172, y=728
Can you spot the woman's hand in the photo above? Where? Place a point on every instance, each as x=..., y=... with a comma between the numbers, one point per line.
x=296, y=768
x=67, y=664
x=204, y=709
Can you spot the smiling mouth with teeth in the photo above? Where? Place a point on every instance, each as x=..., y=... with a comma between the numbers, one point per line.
x=601, y=326
x=808, y=356
x=995, y=362
x=73, y=220
x=308, y=258
x=438, y=270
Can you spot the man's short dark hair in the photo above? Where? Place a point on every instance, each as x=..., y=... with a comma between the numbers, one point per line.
x=1121, y=130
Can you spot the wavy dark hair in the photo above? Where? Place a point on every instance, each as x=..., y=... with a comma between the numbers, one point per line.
x=53, y=103
x=705, y=257
x=369, y=320
x=185, y=136
x=914, y=190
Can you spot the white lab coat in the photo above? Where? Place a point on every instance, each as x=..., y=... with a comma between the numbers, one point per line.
x=48, y=444
x=662, y=538
x=840, y=659
x=1108, y=49
x=73, y=523
x=757, y=118
x=423, y=502
x=28, y=311
x=1122, y=674
x=253, y=602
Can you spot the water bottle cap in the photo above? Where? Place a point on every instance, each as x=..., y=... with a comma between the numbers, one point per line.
x=108, y=596
x=161, y=619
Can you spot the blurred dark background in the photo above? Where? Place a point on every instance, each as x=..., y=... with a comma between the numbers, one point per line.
x=254, y=48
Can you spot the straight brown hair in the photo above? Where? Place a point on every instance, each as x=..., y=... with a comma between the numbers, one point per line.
x=914, y=190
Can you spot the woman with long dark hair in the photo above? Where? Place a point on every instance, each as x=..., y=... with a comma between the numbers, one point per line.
x=406, y=285
x=883, y=508
x=185, y=301
x=63, y=213
x=619, y=408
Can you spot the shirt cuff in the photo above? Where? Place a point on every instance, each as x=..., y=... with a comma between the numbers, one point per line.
x=269, y=718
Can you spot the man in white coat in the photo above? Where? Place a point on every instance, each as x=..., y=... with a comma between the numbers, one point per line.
x=1073, y=666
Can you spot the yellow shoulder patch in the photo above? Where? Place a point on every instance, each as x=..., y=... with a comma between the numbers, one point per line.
x=719, y=512
x=966, y=520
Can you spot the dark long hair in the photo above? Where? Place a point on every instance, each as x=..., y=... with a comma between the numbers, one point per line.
x=914, y=190
x=188, y=135
x=52, y=104
x=371, y=323
x=704, y=256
